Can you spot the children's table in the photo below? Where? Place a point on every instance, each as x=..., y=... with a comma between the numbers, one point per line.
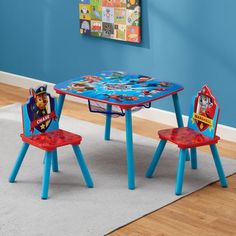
x=119, y=93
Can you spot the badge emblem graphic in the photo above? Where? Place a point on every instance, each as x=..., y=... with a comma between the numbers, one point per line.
x=204, y=109
x=40, y=109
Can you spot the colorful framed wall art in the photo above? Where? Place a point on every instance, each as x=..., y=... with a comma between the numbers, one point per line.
x=113, y=19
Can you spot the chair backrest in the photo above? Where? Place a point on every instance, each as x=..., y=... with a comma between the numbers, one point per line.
x=39, y=112
x=204, y=113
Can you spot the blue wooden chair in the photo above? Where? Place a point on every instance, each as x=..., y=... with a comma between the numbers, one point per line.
x=201, y=131
x=41, y=129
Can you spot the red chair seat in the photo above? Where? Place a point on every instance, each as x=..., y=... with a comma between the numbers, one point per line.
x=51, y=140
x=186, y=137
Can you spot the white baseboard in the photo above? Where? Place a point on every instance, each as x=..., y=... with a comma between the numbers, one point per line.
x=27, y=82
x=153, y=114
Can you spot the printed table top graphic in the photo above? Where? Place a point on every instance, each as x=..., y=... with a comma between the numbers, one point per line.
x=113, y=19
x=118, y=88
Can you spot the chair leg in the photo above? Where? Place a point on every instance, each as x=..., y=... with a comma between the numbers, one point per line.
x=83, y=166
x=18, y=162
x=194, y=158
x=218, y=165
x=156, y=158
x=46, y=175
x=55, y=161
x=180, y=171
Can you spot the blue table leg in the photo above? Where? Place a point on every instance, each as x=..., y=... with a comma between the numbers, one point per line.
x=179, y=116
x=60, y=103
x=46, y=174
x=55, y=161
x=156, y=158
x=178, y=110
x=18, y=163
x=108, y=123
x=180, y=171
x=83, y=166
x=218, y=165
x=129, y=149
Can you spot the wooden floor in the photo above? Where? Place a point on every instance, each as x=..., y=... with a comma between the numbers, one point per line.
x=209, y=211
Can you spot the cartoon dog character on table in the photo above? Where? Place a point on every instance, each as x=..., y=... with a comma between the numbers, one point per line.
x=120, y=97
x=80, y=86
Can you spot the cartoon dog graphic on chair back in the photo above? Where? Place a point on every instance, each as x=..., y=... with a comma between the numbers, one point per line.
x=204, y=113
x=40, y=111
x=39, y=107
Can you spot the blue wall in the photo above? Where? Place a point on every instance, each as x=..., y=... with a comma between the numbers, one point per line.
x=191, y=42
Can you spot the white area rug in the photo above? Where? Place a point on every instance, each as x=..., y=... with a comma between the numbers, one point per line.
x=73, y=209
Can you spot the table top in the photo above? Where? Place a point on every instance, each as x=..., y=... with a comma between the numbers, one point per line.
x=118, y=88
